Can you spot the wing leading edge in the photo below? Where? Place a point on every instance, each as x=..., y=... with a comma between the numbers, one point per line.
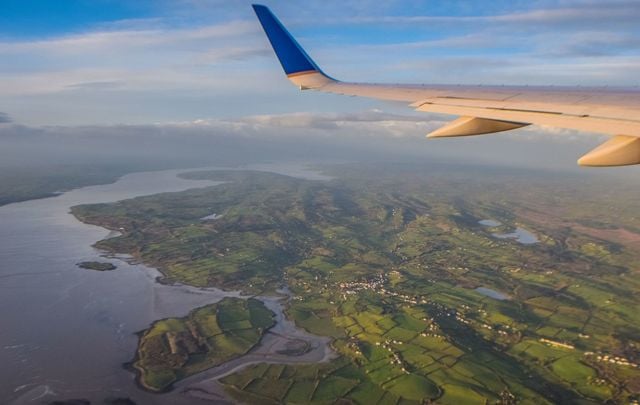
x=485, y=109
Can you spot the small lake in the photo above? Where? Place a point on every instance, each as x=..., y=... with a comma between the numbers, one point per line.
x=490, y=222
x=212, y=216
x=520, y=235
x=488, y=292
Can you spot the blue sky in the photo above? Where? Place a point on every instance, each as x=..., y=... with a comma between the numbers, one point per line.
x=107, y=62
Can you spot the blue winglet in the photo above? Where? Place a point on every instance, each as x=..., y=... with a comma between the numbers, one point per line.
x=290, y=54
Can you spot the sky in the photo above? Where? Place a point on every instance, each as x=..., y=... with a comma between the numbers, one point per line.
x=97, y=78
x=114, y=62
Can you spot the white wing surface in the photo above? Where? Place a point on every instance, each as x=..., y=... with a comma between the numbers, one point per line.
x=486, y=109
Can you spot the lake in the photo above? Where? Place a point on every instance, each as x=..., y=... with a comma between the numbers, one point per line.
x=488, y=292
x=520, y=235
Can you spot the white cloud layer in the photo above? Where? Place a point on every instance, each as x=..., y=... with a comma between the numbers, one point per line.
x=360, y=136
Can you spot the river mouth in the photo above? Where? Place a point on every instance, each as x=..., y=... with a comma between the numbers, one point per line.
x=284, y=343
x=75, y=328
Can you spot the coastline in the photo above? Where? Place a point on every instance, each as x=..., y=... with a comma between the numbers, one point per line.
x=111, y=306
x=264, y=351
x=270, y=340
x=138, y=371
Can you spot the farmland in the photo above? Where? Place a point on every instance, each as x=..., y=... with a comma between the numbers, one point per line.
x=386, y=261
x=175, y=348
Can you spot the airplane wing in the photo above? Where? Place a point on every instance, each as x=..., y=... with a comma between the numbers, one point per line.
x=485, y=109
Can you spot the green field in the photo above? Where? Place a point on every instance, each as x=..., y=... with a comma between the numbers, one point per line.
x=175, y=348
x=386, y=259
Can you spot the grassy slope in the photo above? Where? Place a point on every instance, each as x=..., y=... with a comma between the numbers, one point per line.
x=174, y=348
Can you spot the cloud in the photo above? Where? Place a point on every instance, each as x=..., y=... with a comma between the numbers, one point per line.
x=4, y=118
x=362, y=124
x=589, y=44
x=131, y=59
x=131, y=38
x=583, y=68
x=370, y=135
x=240, y=53
x=599, y=13
x=103, y=85
x=365, y=135
x=210, y=58
x=570, y=29
x=373, y=123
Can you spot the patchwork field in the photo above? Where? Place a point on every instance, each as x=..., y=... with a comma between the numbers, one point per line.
x=386, y=260
x=175, y=348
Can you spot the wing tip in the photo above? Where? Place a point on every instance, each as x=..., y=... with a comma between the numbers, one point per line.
x=291, y=55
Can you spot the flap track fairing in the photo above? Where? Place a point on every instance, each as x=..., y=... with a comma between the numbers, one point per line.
x=621, y=150
x=466, y=126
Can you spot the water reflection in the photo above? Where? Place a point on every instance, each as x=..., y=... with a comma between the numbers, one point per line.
x=520, y=235
x=65, y=332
